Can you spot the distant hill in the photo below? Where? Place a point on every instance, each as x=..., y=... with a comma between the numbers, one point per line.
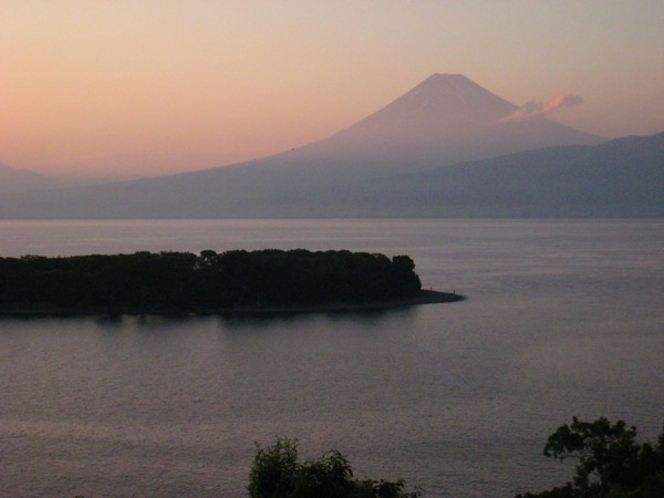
x=444, y=120
x=622, y=178
x=15, y=180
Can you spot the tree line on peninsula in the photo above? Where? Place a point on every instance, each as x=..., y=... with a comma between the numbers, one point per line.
x=182, y=281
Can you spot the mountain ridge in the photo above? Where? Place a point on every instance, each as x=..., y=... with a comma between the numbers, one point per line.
x=446, y=120
x=18, y=180
x=621, y=178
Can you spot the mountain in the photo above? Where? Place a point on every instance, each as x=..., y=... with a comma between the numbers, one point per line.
x=14, y=180
x=444, y=120
x=622, y=178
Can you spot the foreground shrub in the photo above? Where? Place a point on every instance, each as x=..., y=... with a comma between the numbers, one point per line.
x=277, y=472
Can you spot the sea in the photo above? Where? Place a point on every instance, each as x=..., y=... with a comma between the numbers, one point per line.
x=562, y=318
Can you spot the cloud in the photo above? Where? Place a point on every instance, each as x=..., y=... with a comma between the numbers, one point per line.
x=532, y=109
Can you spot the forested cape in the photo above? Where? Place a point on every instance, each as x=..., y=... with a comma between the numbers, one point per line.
x=181, y=281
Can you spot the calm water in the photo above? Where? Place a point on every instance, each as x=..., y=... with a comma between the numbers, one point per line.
x=564, y=318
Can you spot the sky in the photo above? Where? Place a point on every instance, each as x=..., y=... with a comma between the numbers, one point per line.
x=130, y=88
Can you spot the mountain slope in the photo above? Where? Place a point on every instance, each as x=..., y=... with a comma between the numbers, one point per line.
x=622, y=178
x=14, y=180
x=443, y=120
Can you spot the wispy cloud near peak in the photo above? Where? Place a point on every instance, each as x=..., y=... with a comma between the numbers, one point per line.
x=532, y=109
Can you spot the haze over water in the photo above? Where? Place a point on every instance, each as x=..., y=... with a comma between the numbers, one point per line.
x=563, y=318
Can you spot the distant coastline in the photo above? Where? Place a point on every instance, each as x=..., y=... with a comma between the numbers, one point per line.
x=422, y=297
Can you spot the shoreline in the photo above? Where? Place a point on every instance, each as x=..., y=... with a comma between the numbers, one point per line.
x=422, y=297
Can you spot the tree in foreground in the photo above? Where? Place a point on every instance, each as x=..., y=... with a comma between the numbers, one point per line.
x=277, y=472
x=611, y=464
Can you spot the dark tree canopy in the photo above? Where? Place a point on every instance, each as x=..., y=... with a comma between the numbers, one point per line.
x=610, y=462
x=232, y=279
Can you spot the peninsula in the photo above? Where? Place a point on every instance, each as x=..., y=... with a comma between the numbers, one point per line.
x=237, y=281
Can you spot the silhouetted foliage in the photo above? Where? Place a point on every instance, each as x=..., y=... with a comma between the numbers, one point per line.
x=175, y=280
x=277, y=472
x=610, y=461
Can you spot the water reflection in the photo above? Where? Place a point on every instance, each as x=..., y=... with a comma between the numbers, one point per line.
x=253, y=321
x=117, y=322
x=110, y=323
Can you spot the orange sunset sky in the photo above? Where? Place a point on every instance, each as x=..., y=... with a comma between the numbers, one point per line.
x=128, y=88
